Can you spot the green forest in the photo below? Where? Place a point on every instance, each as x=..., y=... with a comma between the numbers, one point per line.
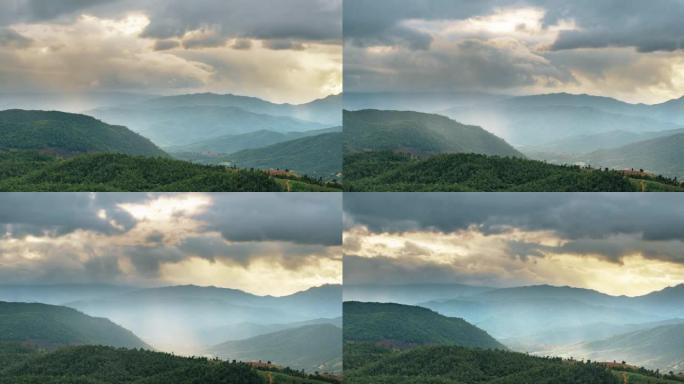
x=459, y=365
x=27, y=171
x=23, y=364
x=68, y=133
x=398, y=324
x=390, y=171
x=387, y=343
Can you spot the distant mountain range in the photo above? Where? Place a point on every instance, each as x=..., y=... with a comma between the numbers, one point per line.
x=417, y=133
x=662, y=155
x=69, y=134
x=316, y=347
x=392, y=343
x=660, y=347
x=410, y=294
x=565, y=321
x=49, y=326
x=187, y=119
x=327, y=110
x=180, y=125
x=190, y=312
x=559, y=128
x=233, y=143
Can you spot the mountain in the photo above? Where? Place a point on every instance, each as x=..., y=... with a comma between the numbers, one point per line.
x=190, y=313
x=408, y=294
x=326, y=111
x=543, y=342
x=457, y=365
x=234, y=143
x=311, y=348
x=523, y=312
x=429, y=102
x=24, y=172
x=662, y=155
x=53, y=326
x=315, y=156
x=174, y=125
x=538, y=119
x=387, y=171
x=246, y=330
x=404, y=325
x=106, y=365
x=418, y=133
x=58, y=293
x=655, y=348
x=68, y=134
x=584, y=144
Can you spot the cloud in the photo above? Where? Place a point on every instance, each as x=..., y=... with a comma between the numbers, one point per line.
x=571, y=215
x=516, y=47
x=282, y=51
x=12, y=39
x=139, y=238
x=162, y=45
x=303, y=218
x=614, y=23
x=24, y=214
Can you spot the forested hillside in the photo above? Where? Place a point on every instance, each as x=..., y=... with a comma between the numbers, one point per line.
x=417, y=133
x=317, y=156
x=51, y=326
x=458, y=365
x=387, y=171
x=31, y=171
x=311, y=348
x=106, y=365
x=405, y=325
x=68, y=133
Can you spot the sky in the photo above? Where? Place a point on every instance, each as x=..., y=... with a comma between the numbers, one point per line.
x=280, y=51
x=632, y=50
x=262, y=243
x=619, y=244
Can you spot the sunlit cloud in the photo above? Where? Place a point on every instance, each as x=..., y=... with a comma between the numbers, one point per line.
x=176, y=239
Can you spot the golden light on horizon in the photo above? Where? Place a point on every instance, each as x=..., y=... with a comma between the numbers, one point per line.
x=541, y=259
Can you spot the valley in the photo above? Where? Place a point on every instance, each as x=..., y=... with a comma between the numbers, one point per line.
x=569, y=142
x=213, y=143
x=45, y=343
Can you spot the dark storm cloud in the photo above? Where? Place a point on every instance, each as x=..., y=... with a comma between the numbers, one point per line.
x=297, y=20
x=654, y=217
x=378, y=22
x=18, y=11
x=647, y=26
x=304, y=218
x=302, y=20
x=60, y=213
